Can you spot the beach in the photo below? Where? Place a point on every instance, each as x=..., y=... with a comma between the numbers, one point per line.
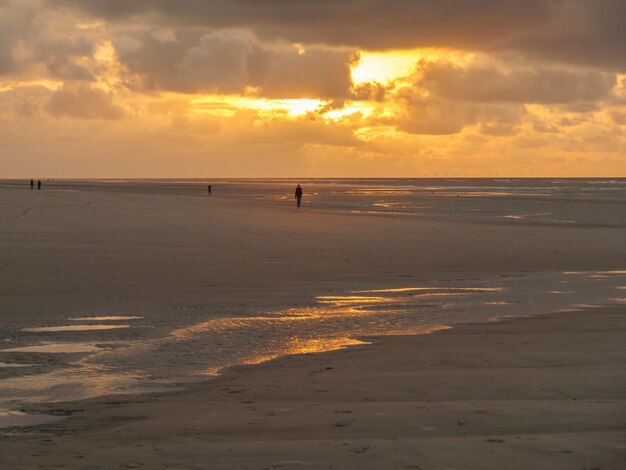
x=539, y=393
x=148, y=289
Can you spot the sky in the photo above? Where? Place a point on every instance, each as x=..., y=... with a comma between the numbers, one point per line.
x=324, y=88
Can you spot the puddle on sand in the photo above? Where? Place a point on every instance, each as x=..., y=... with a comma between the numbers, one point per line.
x=105, y=318
x=335, y=320
x=52, y=329
x=58, y=348
x=6, y=365
x=11, y=418
x=442, y=290
x=291, y=347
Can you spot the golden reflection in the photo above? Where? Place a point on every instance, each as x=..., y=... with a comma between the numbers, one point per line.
x=349, y=300
x=227, y=323
x=292, y=347
x=333, y=322
x=58, y=348
x=310, y=346
x=418, y=289
x=12, y=365
x=387, y=213
x=52, y=329
x=106, y=318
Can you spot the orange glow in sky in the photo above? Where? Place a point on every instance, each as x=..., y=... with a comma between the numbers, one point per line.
x=87, y=93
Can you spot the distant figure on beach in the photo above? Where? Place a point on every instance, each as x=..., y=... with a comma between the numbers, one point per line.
x=209, y=189
x=38, y=185
x=32, y=184
x=298, y=195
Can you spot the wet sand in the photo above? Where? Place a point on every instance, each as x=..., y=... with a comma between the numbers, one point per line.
x=543, y=393
x=170, y=259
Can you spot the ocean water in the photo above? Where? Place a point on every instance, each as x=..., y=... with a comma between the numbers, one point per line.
x=48, y=362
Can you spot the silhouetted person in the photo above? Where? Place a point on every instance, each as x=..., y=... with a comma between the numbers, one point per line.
x=298, y=195
x=38, y=185
x=32, y=184
x=209, y=189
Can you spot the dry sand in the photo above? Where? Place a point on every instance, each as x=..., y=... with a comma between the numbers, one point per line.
x=545, y=392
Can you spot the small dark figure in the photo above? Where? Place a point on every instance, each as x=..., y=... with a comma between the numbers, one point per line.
x=32, y=184
x=298, y=195
x=209, y=189
x=38, y=185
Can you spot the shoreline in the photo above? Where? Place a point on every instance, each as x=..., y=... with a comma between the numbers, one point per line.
x=530, y=410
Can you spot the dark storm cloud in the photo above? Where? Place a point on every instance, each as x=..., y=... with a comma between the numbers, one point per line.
x=578, y=31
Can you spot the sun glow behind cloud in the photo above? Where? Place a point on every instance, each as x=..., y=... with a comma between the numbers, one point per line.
x=229, y=105
x=384, y=67
x=52, y=85
x=337, y=102
x=387, y=66
x=381, y=67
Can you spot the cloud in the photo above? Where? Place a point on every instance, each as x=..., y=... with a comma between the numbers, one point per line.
x=232, y=61
x=618, y=118
x=24, y=102
x=481, y=83
x=573, y=31
x=307, y=130
x=219, y=62
x=33, y=38
x=83, y=102
x=311, y=72
x=503, y=78
x=421, y=111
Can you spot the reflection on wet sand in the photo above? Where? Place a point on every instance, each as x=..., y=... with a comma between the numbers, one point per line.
x=444, y=289
x=57, y=348
x=52, y=329
x=330, y=321
x=291, y=347
x=106, y=318
x=10, y=418
x=13, y=365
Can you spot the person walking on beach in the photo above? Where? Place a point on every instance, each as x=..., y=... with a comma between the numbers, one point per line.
x=298, y=195
x=39, y=185
x=32, y=184
x=209, y=189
